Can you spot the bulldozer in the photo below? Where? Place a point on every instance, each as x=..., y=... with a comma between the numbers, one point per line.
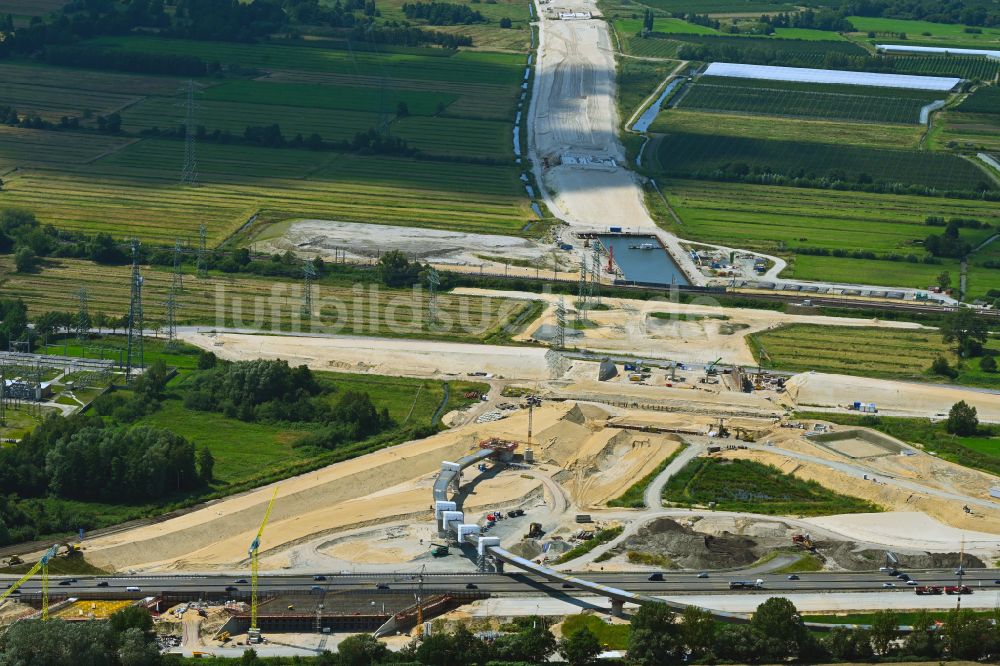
x=439, y=550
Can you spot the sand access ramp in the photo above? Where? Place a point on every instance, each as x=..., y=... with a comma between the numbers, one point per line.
x=398, y=357
x=812, y=390
x=907, y=530
x=593, y=459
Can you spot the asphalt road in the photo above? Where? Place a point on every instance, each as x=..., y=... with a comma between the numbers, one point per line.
x=515, y=583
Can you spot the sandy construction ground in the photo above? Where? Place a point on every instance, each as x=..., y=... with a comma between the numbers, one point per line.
x=813, y=389
x=593, y=463
x=381, y=356
x=691, y=332
x=355, y=240
x=908, y=529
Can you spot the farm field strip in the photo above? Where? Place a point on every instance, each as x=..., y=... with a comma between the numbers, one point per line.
x=259, y=303
x=679, y=154
x=462, y=67
x=92, y=81
x=52, y=103
x=784, y=102
x=719, y=6
x=777, y=127
x=20, y=147
x=456, y=136
x=772, y=218
x=941, y=34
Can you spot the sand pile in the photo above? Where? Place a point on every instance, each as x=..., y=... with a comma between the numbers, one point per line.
x=688, y=549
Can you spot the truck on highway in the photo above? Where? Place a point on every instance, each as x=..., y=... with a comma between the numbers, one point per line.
x=928, y=589
x=958, y=589
x=747, y=584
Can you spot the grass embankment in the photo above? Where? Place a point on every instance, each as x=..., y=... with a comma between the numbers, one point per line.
x=601, y=536
x=903, y=618
x=979, y=452
x=745, y=485
x=633, y=497
x=871, y=352
x=610, y=636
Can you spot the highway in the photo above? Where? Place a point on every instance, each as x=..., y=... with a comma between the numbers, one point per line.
x=515, y=583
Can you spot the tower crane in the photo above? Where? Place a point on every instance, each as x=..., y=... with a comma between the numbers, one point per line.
x=253, y=634
x=420, y=597
x=42, y=564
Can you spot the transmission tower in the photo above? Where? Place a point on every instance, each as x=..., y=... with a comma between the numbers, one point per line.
x=202, y=251
x=178, y=279
x=582, y=291
x=595, y=276
x=433, y=281
x=82, y=316
x=134, y=357
x=308, y=275
x=189, y=174
x=3, y=394
x=559, y=341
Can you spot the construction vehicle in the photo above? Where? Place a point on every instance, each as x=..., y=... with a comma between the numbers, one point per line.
x=224, y=637
x=534, y=531
x=439, y=550
x=928, y=589
x=253, y=633
x=804, y=541
x=43, y=565
x=957, y=589
x=745, y=435
x=711, y=369
x=747, y=584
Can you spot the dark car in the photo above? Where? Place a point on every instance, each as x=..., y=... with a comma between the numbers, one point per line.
x=232, y=588
x=316, y=588
x=381, y=586
x=471, y=586
x=655, y=576
x=319, y=577
x=996, y=582
x=903, y=576
x=242, y=581
x=65, y=582
x=102, y=583
x=703, y=575
x=567, y=586
x=793, y=577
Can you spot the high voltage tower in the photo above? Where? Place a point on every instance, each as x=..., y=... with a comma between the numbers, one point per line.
x=176, y=287
x=582, y=291
x=560, y=333
x=308, y=275
x=82, y=316
x=3, y=394
x=595, y=276
x=202, y=251
x=433, y=282
x=134, y=357
x=189, y=174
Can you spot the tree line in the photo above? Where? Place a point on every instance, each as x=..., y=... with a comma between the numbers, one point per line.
x=443, y=13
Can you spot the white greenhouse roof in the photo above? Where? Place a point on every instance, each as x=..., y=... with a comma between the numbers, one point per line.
x=904, y=48
x=806, y=75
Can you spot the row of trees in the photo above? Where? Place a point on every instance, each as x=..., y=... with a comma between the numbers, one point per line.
x=443, y=13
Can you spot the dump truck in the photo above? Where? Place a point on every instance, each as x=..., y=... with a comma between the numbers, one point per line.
x=803, y=541
x=958, y=589
x=928, y=589
x=747, y=584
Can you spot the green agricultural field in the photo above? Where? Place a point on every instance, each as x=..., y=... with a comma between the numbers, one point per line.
x=887, y=353
x=720, y=6
x=651, y=47
x=427, y=64
x=927, y=33
x=637, y=79
x=345, y=98
x=680, y=155
x=984, y=100
x=966, y=67
x=663, y=25
x=880, y=272
x=877, y=105
x=745, y=485
x=265, y=304
x=38, y=148
x=791, y=129
x=136, y=191
x=810, y=47
x=969, y=132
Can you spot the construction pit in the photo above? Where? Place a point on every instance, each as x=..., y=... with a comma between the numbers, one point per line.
x=372, y=514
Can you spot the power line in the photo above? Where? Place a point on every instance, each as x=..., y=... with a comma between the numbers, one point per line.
x=308, y=275
x=189, y=173
x=202, y=251
x=82, y=316
x=560, y=332
x=134, y=358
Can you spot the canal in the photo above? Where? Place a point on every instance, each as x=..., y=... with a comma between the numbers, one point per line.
x=643, y=259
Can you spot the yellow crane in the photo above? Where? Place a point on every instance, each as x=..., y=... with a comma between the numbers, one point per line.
x=42, y=564
x=253, y=635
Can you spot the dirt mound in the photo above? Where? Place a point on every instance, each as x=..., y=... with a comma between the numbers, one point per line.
x=844, y=555
x=692, y=550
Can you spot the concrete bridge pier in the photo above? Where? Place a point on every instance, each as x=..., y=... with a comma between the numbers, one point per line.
x=617, y=608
